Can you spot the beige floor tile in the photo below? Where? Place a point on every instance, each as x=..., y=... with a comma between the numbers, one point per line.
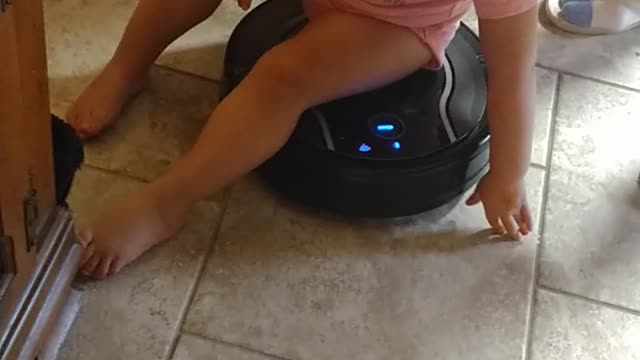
x=612, y=58
x=593, y=215
x=135, y=314
x=471, y=20
x=302, y=286
x=568, y=329
x=154, y=130
x=201, y=50
x=195, y=348
x=83, y=35
x=546, y=92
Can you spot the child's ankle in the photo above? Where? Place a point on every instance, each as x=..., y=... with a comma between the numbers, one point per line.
x=172, y=197
x=125, y=73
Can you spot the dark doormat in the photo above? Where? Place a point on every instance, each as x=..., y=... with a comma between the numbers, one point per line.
x=68, y=156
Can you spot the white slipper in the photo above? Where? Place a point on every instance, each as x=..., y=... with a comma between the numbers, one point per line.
x=594, y=17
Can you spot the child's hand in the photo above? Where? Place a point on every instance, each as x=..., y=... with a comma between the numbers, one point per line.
x=244, y=4
x=505, y=205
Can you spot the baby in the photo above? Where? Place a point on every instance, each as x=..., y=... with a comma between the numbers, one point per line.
x=330, y=58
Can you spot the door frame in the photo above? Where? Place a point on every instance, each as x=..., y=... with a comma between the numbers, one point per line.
x=41, y=248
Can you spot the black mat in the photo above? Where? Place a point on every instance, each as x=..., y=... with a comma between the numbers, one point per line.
x=68, y=155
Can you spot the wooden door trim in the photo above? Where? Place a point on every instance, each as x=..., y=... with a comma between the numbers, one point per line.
x=26, y=161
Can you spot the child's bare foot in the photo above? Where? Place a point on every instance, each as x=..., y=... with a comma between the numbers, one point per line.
x=126, y=231
x=99, y=104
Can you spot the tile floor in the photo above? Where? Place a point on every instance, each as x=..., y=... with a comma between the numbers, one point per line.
x=251, y=278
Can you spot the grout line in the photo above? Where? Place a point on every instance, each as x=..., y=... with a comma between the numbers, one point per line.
x=208, y=254
x=173, y=345
x=115, y=173
x=535, y=286
x=590, y=78
x=537, y=166
x=542, y=221
x=186, y=73
x=591, y=301
x=235, y=346
x=201, y=266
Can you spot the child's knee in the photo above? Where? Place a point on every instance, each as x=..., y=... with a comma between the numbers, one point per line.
x=284, y=74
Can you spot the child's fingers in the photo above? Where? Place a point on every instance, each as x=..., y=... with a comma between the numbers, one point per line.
x=526, y=217
x=510, y=224
x=522, y=226
x=496, y=225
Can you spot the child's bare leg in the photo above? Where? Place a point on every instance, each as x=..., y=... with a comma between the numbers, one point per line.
x=153, y=26
x=334, y=56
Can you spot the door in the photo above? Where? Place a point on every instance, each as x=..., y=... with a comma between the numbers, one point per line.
x=5, y=270
x=37, y=252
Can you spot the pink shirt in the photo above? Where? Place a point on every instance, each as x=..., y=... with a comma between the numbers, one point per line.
x=424, y=13
x=434, y=21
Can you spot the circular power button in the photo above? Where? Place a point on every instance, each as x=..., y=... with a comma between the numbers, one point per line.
x=386, y=126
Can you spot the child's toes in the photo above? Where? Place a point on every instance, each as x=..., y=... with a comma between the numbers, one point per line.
x=73, y=118
x=71, y=114
x=89, y=267
x=81, y=127
x=83, y=133
x=116, y=266
x=87, y=253
x=77, y=121
x=102, y=270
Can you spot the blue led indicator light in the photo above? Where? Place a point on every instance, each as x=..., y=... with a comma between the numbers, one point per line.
x=385, y=127
x=396, y=145
x=364, y=148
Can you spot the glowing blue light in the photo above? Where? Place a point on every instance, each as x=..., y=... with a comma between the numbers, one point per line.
x=396, y=145
x=364, y=148
x=385, y=127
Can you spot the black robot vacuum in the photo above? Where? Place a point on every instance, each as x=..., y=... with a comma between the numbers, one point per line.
x=415, y=145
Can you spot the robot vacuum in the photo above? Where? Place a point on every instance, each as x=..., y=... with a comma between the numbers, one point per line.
x=415, y=145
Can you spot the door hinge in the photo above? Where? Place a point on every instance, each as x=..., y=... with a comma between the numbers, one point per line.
x=4, y=5
x=5, y=241
x=31, y=213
